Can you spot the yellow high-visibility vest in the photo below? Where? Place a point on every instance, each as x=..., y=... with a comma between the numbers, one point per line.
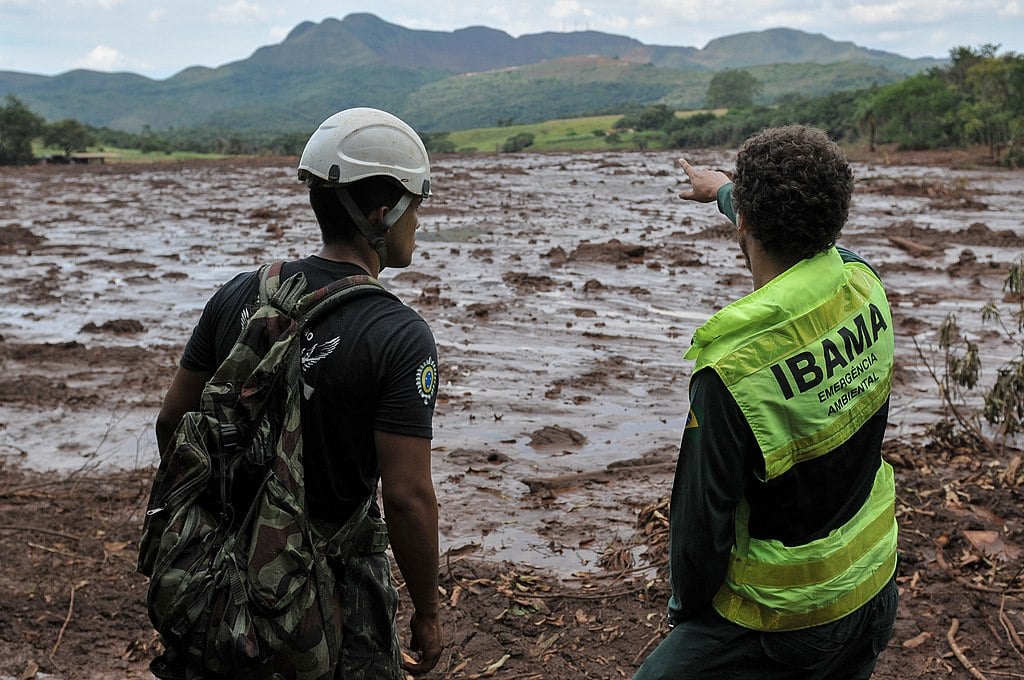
x=808, y=358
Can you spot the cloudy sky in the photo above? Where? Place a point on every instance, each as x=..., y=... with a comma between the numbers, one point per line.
x=158, y=38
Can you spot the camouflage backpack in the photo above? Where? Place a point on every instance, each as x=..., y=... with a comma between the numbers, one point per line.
x=240, y=584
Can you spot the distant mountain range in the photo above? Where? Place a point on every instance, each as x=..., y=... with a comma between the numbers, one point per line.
x=449, y=80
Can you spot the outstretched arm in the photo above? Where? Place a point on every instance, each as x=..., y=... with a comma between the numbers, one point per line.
x=410, y=510
x=704, y=184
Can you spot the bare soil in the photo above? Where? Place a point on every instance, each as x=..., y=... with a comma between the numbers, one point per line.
x=563, y=290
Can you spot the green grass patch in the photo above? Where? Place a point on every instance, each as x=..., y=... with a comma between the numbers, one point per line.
x=137, y=156
x=563, y=134
x=119, y=155
x=587, y=133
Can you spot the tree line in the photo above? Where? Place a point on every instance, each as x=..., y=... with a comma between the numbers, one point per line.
x=977, y=99
x=20, y=127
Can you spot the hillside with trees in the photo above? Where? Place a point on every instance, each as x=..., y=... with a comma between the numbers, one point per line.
x=977, y=99
x=442, y=81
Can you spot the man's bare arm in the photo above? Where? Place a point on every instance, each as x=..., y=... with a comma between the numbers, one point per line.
x=182, y=396
x=410, y=510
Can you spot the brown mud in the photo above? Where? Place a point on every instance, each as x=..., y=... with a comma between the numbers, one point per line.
x=563, y=290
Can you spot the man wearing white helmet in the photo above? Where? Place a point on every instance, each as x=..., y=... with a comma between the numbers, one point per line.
x=369, y=374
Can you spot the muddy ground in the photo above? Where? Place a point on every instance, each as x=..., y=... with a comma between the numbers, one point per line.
x=563, y=290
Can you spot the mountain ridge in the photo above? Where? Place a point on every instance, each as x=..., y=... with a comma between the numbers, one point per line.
x=363, y=60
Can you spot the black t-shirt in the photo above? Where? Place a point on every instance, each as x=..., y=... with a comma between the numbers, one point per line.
x=370, y=364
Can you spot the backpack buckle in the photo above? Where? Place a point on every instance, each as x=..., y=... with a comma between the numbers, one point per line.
x=228, y=437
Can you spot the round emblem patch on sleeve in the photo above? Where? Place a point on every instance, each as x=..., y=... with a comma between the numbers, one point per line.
x=426, y=379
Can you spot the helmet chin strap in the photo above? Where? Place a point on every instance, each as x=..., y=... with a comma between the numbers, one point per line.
x=396, y=213
x=375, y=237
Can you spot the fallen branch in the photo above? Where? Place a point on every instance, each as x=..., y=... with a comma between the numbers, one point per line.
x=585, y=596
x=964, y=661
x=13, y=527
x=913, y=247
x=616, y=575
x=67, y=619
x=941, y=559
x=57, y=551
x=1008, y=674
x=1011, y=630
x=643, y=651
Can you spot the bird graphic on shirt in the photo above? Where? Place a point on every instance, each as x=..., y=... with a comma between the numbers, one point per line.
x=317, y=352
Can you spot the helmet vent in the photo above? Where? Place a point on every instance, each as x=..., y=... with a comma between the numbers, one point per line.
x=334, y=174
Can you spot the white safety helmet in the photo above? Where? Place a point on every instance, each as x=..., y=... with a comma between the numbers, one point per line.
x=359, y=143
x=362, y=142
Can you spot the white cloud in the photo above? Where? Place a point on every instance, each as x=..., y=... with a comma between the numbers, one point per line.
x=279, y=33
x=891, y=37
x=103, y=58
x=620, y=25
x=98, y=4
x=879, y=13
x=238, y=12
x=565, y=9
x=786, y=18
x=918, y=12
x=156, y=14
x=1011, y=9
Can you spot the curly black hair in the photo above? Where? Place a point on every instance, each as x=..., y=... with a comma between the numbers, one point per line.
x=793, y=185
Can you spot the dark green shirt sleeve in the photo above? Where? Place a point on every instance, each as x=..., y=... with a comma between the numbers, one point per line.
x=725, y=202
x=711, y=476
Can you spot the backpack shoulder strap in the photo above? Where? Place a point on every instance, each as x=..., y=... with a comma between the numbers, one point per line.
x=285, y=296
x=270, y=280
x=313, y=305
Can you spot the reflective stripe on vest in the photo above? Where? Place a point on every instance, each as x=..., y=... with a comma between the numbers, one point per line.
x=808, y=357
x=770, y=586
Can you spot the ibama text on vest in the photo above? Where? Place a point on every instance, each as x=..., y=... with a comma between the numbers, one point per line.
x=841, y=350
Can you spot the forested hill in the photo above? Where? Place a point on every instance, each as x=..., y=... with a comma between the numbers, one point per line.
x=433, y=78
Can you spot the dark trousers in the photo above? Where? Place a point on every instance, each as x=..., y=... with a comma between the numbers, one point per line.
x=708, y=646
x=370, y=648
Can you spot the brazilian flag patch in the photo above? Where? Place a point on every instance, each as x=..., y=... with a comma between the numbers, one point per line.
x=691, y=421
x=426, y=380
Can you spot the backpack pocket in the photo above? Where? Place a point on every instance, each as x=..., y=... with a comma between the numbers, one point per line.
x=280, y=556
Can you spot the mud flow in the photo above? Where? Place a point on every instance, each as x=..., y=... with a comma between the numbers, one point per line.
x=562, y=290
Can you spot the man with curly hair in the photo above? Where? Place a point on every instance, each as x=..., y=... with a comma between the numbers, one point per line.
x=782, y=530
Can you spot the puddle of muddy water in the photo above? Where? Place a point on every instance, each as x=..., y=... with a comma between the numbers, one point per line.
x=533, y=331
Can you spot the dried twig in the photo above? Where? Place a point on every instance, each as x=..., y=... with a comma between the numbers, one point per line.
x=940, y=558
x=585, y=596
x=67, y=619
x=14, y=527
x=643, y=651
x=616, y=575
x=964, y=661
x=58, y=551
x=1011, y=632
